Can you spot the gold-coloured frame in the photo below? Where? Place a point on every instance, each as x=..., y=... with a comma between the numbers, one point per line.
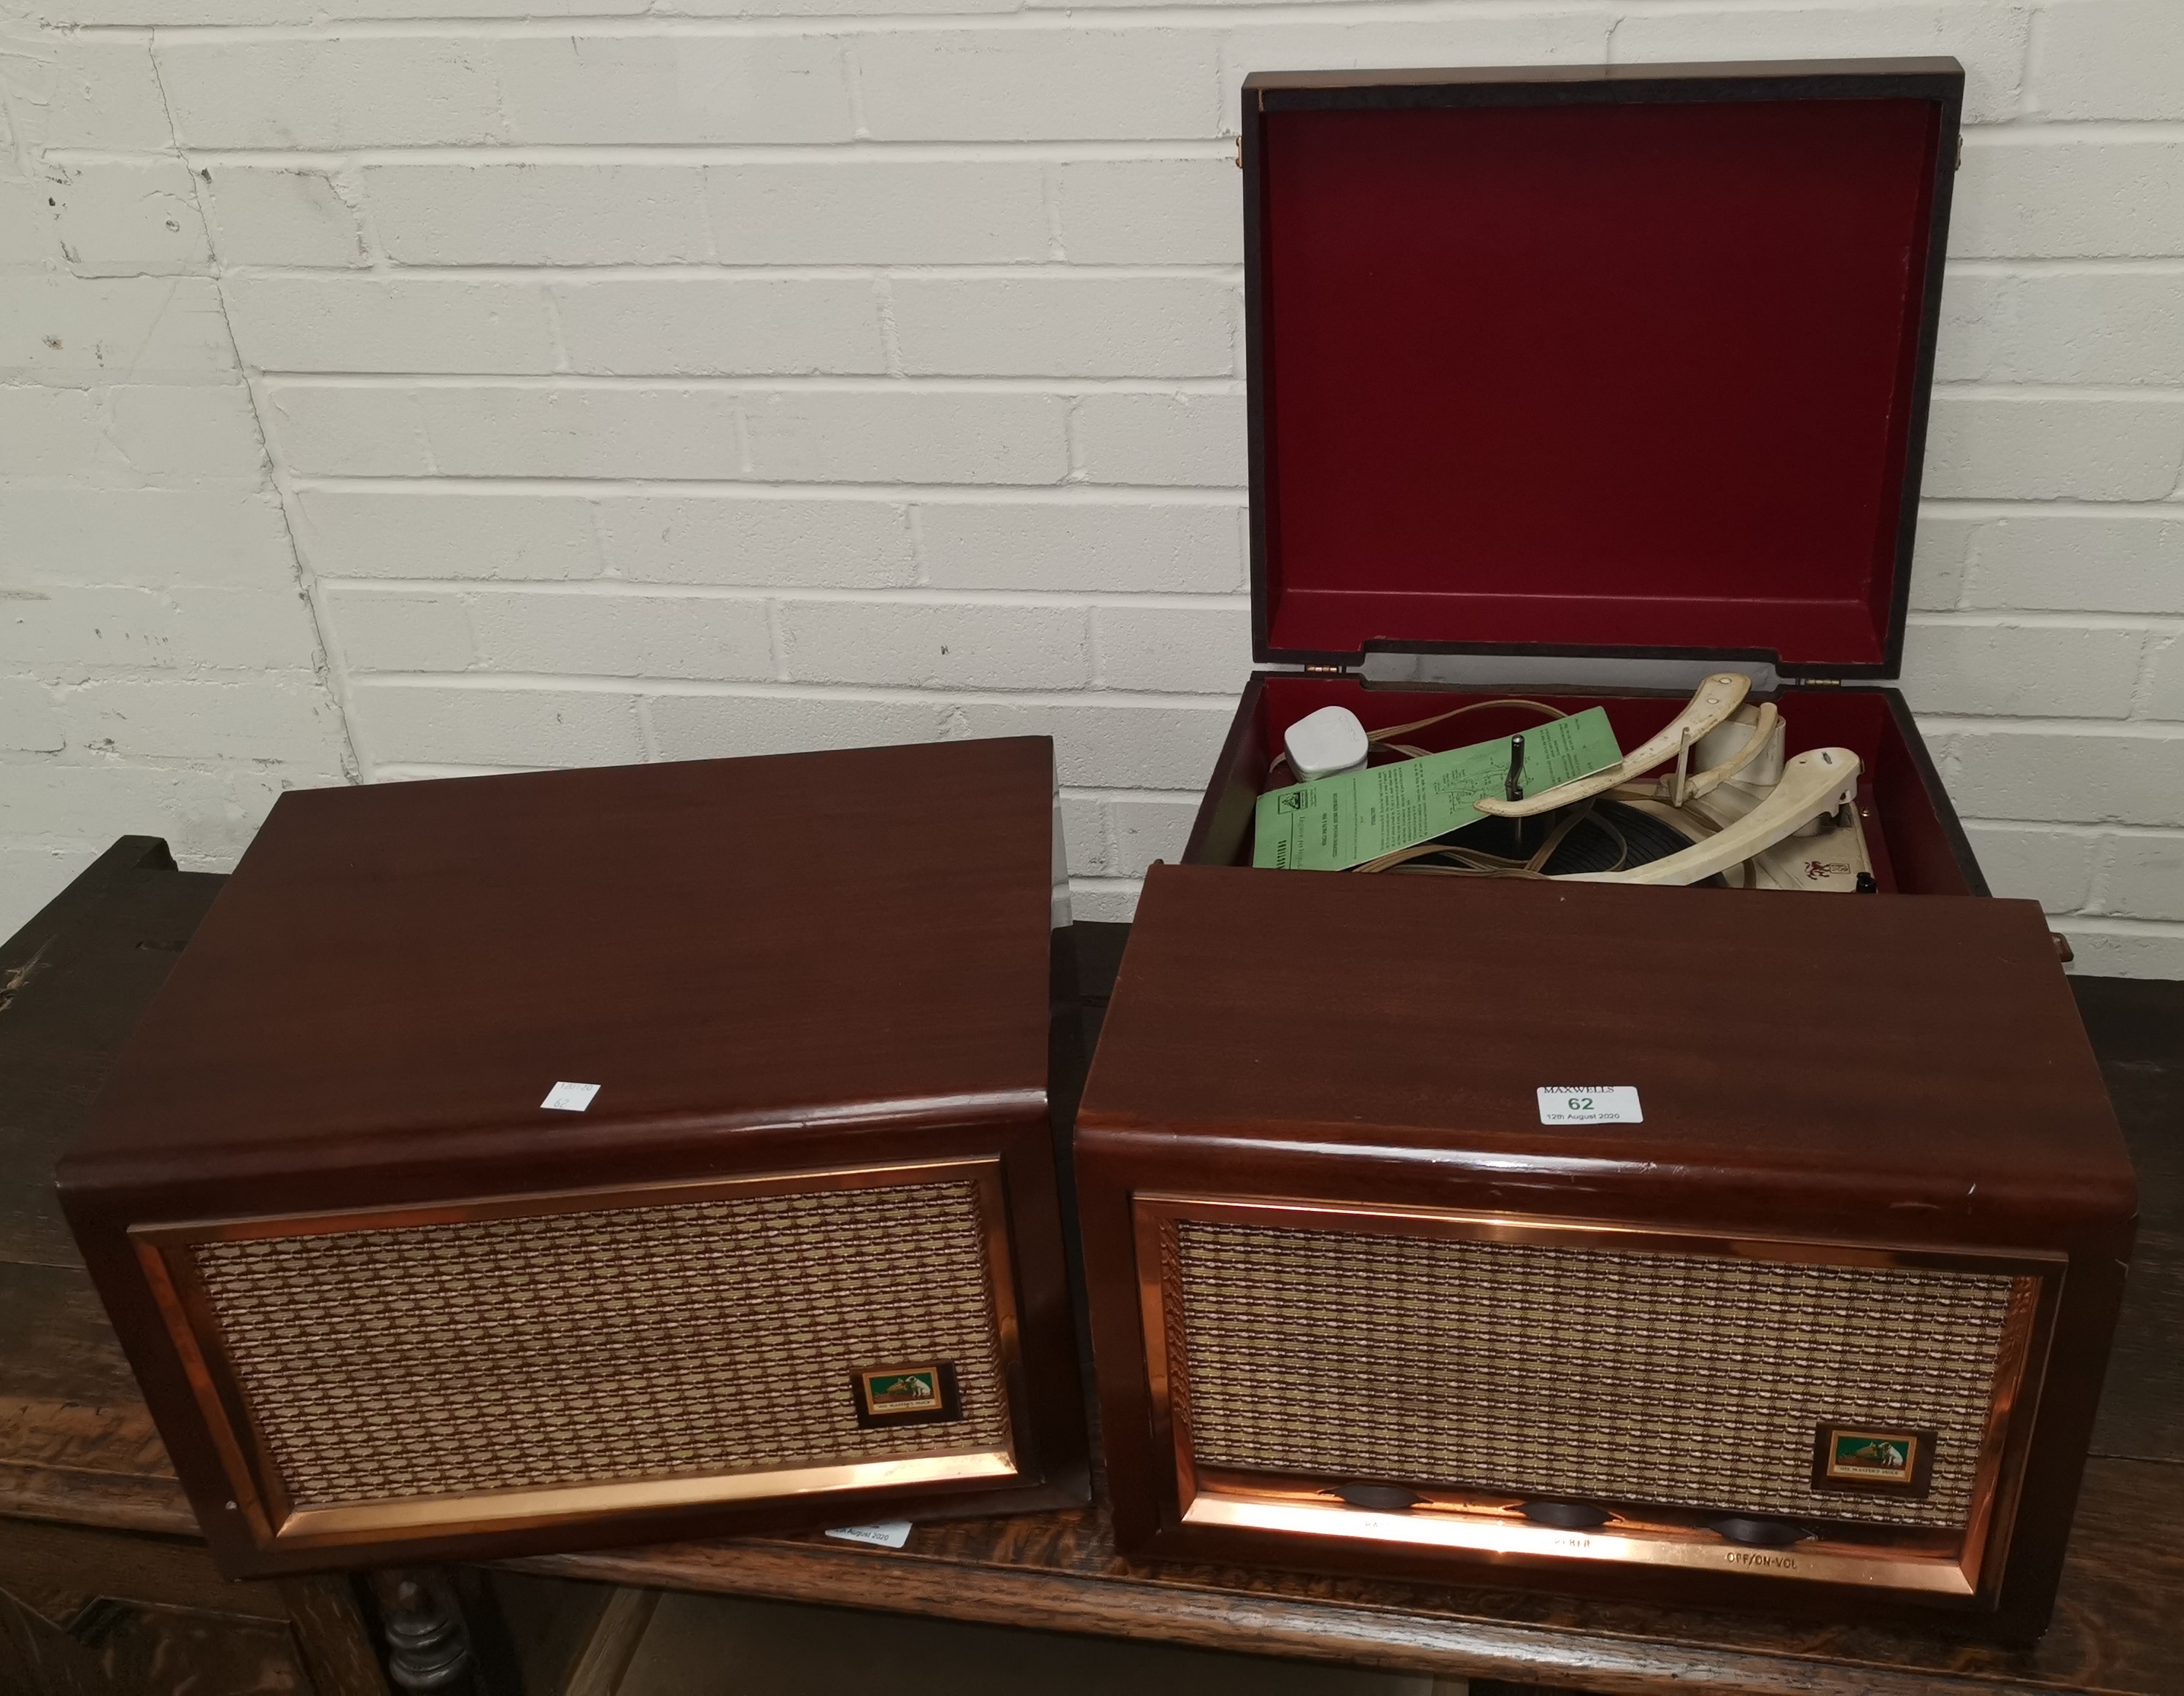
x=274, y=1521
x=1486, y=1523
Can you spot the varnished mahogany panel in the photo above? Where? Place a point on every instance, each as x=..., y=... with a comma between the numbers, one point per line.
x=2137, y=1028
x=1814, y=1059
x=398, y=972
x=1892, y=1071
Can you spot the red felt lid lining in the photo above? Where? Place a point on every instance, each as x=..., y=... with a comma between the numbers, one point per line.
x=1591, y=374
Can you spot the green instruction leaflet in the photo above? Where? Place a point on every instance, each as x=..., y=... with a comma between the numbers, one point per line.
x=1341, y=822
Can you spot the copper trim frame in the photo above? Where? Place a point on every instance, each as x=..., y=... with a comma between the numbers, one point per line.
x=353, y=1522
x=1485, y=1523
x=2020, y=1367
x=274, y=1520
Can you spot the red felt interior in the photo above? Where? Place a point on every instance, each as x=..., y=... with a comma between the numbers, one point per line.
x=1911, y=847
x=1594, y=375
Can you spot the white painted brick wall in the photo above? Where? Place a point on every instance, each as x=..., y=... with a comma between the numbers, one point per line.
x=159, y=665
x=391, y=388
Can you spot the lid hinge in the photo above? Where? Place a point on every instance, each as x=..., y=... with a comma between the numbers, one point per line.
x=1818, y=683
x=1324, y=672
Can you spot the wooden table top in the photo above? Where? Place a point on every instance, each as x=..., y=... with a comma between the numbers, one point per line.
x=76, y=1445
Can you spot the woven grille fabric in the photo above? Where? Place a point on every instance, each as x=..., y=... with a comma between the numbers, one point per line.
x=641, y=1342
x=1560, y=1372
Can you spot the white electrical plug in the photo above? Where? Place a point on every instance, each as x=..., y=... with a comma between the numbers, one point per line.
x=1326, y=744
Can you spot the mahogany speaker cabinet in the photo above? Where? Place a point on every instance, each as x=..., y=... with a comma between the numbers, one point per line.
x=538, y=1162
x=1807, y=1308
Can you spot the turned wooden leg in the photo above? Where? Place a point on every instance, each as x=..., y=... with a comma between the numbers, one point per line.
x=428, y=1646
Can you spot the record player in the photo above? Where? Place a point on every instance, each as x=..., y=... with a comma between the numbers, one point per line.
x=1585, y=387
x=1466, y=1212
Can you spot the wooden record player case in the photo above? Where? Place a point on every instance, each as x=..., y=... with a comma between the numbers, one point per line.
x=1576, y=384
x=798, y=1264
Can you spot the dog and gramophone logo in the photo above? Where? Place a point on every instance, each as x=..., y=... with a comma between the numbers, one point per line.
x=906, y=1395
x=1872, y=1458
x=1885, y=1459
x=914, y=1391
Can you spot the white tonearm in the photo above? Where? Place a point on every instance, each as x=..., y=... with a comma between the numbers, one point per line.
x=1718, y=697
x=1817, y=781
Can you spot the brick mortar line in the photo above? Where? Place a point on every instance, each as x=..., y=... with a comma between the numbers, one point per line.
x=2169, y=506
x=982, y=383
x=969, y=382
x=2088, y=832
x=974, y=493
x=877, y=694
x=1060, y=150
x=891, y=594
x=1031, y=19
x=2043, y=618
x=2121, y=729
x=2028, y=130
x=582, y=276
x=1988, y=389
x=2168, y=509
x=1228, y=495
x=66, y=677
x=1222, y=386
x=1096, y=792
x=2064, y=265
x=981, y=270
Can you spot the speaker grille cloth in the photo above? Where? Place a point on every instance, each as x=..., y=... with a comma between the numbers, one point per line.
x=640, y=1342
x=1554, y=1372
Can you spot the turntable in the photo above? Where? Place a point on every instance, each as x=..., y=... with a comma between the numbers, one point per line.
x=1732, y=811
x=1588, y=389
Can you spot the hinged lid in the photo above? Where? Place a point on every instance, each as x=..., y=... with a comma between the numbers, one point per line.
x=1629, y=362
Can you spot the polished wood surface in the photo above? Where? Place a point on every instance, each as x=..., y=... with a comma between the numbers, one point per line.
x=1894, y=1070
x=1921, y=1058
x=801, y=964
x=398, y=972
x=76, y=1446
